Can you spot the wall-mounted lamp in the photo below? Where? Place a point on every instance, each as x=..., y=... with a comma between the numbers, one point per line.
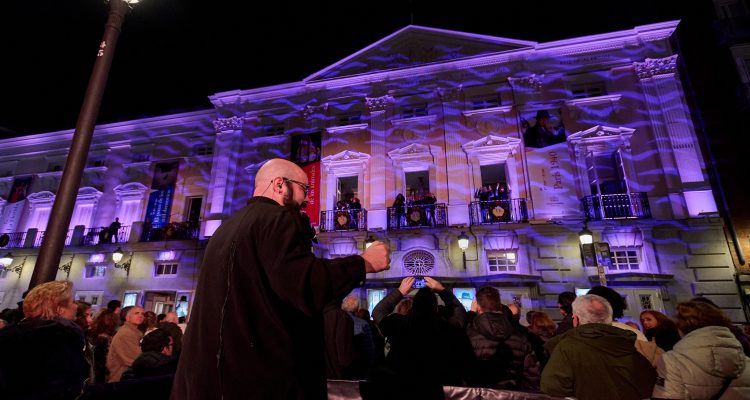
x=369, y=241
x=463, y=243
x=5, y=262
x=592, y=252
x=117, y=256
x=586, y=236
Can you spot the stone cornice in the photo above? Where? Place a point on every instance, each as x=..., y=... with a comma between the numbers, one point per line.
x=655, y=67
x=227, y=124
x=378, y=103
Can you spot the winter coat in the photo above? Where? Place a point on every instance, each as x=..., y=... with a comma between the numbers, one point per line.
x=598, y=361
x=256, y=326
x=124, y=349
x=505, y=357
x=150, y=363
x=42, y=360
x=564, y=325
x=698, y=365
x=664, y=336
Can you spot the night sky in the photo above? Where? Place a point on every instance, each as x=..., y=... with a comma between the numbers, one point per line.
x=173, y=54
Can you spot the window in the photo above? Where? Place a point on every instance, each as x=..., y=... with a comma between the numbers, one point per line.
x=501, y=261
x=479, y=103
x=92, y=297
x=347, y=188
x=374, y=296
x=129, y=299
x=349, y=119
x=274, y=130
x=626, y=259
x=419, y=262
x=417, y=184
x=590, y=89
x=203, y=150
x=194, y=205
x=95, y=271
x=414, y=110
x=166, y=269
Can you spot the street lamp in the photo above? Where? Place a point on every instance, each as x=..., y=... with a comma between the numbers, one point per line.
x=117, y=257
x=463, y=243
x=586, y=236
x=369, y=241
x=62, y=210
x=7, y=259
x=589, y=252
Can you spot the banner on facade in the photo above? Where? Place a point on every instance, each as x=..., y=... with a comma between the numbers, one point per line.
x=306, y=153
x=162, y=192
x=552, y=177
x=16, y=201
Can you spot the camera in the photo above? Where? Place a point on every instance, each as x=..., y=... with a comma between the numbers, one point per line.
x=418, y=282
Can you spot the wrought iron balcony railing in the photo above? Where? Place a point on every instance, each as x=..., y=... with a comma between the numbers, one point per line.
x=498, y=211
x=343, y=220
x=418, y=216
x=170, y=231
x=616, y=206
x=94, y=236
x=15, y=240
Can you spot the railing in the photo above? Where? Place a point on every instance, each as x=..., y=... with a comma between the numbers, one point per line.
x=418, y=216
x=170, y=231
x=94, y=236
x=343, y=220
x=15, y=240
x=504, y=211
x=616, y=206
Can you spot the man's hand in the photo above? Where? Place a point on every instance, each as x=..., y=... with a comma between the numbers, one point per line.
x=433, y=284
x=376, y=257
x=406, y=285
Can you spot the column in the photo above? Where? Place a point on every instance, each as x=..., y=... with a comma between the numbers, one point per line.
x=228, y=130
x=379, y=195
x=457, y=166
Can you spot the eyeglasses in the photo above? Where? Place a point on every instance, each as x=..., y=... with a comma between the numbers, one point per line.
x=305, y=187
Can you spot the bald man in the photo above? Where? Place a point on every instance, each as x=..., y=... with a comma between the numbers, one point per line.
x=256, y=324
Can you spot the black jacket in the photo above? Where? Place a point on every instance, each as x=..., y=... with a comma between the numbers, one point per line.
x=256, y=329
x=42, y=359
x=150, y=363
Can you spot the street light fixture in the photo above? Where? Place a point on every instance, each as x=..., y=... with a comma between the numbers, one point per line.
x=67, y=192
x=586, y=236
x=463, y=243
x=7, y=259
x=369, y=241
x=117, y=257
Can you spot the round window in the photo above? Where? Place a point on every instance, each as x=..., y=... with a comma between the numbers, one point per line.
x=419, y=262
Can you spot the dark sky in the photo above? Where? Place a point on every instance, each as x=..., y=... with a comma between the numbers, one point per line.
x=173, y=54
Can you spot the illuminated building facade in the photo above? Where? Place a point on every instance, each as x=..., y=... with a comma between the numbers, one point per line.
x=516, y=145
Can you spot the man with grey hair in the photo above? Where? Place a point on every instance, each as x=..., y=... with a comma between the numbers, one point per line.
x=596, y=360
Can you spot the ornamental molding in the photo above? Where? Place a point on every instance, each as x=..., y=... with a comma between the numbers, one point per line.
x=496, y=147
x=487, y=111
x=496, y=242
x=88, y=194
x=346, y=156
x=601, y=138
x=41, y=198
x=342, y=247
x=449, y=93
x=381, y=103
x=594, y=101
x=131, y=190
x=347, y=128
x=310, y=111
x=414, y=120
x=532, y=82
x=222, y=125
x=655, y=67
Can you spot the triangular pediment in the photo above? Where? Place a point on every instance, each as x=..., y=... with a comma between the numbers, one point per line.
x=413, y=46
x=414, y=148
x=600, y=133
x=491, y=141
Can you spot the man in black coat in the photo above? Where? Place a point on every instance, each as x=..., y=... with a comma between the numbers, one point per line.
x=256, y=326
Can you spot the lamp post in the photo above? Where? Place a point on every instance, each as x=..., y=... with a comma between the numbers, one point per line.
x=62, y=210
x=589, y=252
x=463, y=243
x=117, y=257
x=5, y=262
x=369, y=241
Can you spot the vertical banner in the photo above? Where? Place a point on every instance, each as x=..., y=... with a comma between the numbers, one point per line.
x=162, y=186
x=550, y=167
x=16, y=201
x=306, y=153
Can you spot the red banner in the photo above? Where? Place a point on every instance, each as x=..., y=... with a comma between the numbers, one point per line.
x=313, y=207
x=306, y=153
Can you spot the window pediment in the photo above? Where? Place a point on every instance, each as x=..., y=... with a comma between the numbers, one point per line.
x=501, y=242
x=601, y=138
x=347, y=160
x=88, y=194
x=492, y=149
x=132, y=189
x=41, y=198
x=414, y=153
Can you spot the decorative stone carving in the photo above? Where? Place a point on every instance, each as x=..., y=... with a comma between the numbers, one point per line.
x=227, y=124
x=531, y=82
x=375, y=104
x=656, y=66
x=601, y=138
x=450, y=93
x=310, y=111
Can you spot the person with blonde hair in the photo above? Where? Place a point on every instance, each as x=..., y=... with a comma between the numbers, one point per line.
x=42, y=355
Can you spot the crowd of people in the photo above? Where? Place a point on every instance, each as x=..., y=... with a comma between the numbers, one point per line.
x=58, y=349
x=414, y=210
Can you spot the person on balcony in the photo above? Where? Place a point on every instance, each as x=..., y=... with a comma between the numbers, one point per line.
x=114, y=229
x=399, y=206
x=429, y=201
x=356, y=207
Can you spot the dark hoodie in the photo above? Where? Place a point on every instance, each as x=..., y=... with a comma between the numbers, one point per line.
x=505, y=358
x=598, y=361
x=150, y=363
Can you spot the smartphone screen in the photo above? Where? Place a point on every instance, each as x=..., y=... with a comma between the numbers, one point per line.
x=418, y=282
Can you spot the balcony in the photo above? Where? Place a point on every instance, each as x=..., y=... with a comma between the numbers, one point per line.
x=170, y=231
x=343, y=220
x=94, y=236
x=507, y=211
x=418, y=216
x=616, y=206
x=16, y=240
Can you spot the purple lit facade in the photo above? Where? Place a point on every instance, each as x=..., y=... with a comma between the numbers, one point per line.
x=519, y=142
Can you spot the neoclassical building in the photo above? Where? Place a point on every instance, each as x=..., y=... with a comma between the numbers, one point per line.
x=517, y=146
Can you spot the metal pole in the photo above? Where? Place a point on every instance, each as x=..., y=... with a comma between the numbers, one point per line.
x=45, y=269
x=464, y=254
